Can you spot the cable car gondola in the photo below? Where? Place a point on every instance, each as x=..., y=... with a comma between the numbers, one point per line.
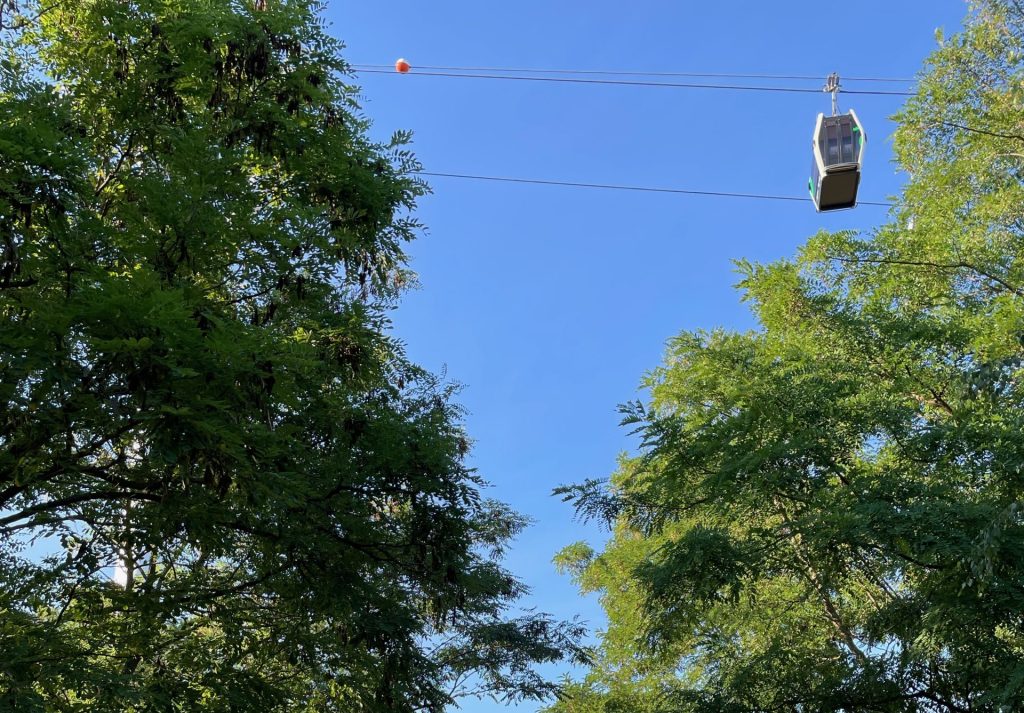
x=838, y=145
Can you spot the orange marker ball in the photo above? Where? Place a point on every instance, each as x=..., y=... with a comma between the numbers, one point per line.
x=402, y=66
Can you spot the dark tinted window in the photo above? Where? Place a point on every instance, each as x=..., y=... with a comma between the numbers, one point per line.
x=838, y=142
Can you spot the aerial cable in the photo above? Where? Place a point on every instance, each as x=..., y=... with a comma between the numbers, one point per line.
x=622, y=73
x=624, y=82
x=617, y=187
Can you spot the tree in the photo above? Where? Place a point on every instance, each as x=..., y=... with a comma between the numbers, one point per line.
x=826, y=513
x=198, y=248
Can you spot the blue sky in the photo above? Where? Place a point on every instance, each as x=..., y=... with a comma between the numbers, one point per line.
x=550, y=304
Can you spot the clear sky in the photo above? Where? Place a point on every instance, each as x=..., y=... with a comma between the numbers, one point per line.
x=550, y=304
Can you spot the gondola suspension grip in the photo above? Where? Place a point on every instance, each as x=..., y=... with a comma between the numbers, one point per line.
x=832, y=87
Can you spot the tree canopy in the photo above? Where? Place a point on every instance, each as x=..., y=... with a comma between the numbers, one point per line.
x=825, y=513
x=198, y=248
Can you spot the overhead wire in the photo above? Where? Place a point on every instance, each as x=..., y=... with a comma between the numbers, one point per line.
x=631, y=73
x=464, y=73
x=624, y=82
x=619, y=187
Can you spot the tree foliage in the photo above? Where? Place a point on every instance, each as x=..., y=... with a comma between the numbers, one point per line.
x=827, y=513
x=198, y=246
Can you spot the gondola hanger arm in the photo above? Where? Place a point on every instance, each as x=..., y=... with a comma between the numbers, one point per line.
x=832, y=87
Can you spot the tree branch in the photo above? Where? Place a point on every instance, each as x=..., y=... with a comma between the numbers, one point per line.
x=73, y=500
x=973, y=130
x=926, y=263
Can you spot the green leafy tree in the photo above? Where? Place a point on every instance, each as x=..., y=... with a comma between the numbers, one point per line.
x=198, y=248
x=827, y=513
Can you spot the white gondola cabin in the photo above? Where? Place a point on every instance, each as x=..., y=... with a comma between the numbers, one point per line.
x=838, y=153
